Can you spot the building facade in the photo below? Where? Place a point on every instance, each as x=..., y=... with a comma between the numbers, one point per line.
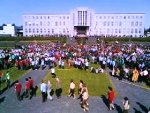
x=7, y=30
x=84, y=21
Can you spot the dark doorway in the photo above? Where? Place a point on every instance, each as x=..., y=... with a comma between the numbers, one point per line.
x=81, y=30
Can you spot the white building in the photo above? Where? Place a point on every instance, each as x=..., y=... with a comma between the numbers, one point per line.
x=9, y=29
x=84, y=21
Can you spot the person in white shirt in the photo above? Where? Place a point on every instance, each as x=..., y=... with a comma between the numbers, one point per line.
x=85, y=97
x=62, y=64
x=49, y=85
x=126, y=105
x=72, y=89
x=43, y=88
x=53, y=72
x=86, y=64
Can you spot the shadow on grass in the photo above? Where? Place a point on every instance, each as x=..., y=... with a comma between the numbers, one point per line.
x=2, y=99
x=5, y=88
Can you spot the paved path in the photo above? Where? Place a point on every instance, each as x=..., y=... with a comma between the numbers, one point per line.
x=139, y=99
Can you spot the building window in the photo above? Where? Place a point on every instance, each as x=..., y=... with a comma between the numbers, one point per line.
x=132, y=23
x=107, y=23
x=131, y=30
x=136, y=24
x=63, y=17
x=119, y=30
x=48, y=30
x=107, y=30
x=41, y=17
x=56, y=23
x=52, y=31
x=112, y=23
x=36, y=17
x=41, y=23
x=141, y=17
x=67, y=17
x=26, y=31
x=104, y=23
x=100, y=17
x=124, y=17
x=137, y=17
x=63, y=30
x=41, y=30
x=112, y=17
x=33, y=30
x=136, y=31
x=79, y=17
x=120, y=23
x=33, y=17
x=29, y=30
x=26, y=23
x=128, y=17
x=132, y=17
x=33, y=24
x=37, y=30
x=140, y=23
x=116, y=30
x=140, y=30
x=48, y=17
x=48, y=23
x=64, y=23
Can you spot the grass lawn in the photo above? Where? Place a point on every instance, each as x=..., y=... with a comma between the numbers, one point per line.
x=97, y=83
x=15, y=74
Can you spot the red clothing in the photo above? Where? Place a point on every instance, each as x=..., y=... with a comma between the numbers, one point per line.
x=27, y=85
x=111, y=96
x=18, y=87
x=31, y=82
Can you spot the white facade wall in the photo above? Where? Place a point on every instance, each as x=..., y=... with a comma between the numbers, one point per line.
x=107, y=24
x=8, y=30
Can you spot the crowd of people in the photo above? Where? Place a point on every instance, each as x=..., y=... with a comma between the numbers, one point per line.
x=125, y=61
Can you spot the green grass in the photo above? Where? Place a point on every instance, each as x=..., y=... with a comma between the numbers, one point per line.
x=97, y=84
x=15, y=74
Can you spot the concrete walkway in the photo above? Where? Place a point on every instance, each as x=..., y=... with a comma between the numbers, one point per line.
x=139, y=99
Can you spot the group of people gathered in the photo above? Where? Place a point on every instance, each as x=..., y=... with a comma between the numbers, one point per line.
x=125, y=61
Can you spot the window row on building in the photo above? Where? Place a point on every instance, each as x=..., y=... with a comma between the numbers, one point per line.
x=49, y=23
x=119, y=23
x=119, y=17
x=46, y=17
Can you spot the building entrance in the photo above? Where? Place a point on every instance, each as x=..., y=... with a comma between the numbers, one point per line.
x=81, y=30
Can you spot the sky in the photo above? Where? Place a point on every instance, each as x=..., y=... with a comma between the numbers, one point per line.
x=11, y=11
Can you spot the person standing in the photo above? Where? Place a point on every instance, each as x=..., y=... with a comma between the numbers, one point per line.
x=31, y=81
x=135, y=75
x=126, y=105
x=27, y=88
x=85, y=97
x=43, y=88
x=49, y=85
x=58, y=88
x=111, y=96
x=72, y=89
x=18, y=88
